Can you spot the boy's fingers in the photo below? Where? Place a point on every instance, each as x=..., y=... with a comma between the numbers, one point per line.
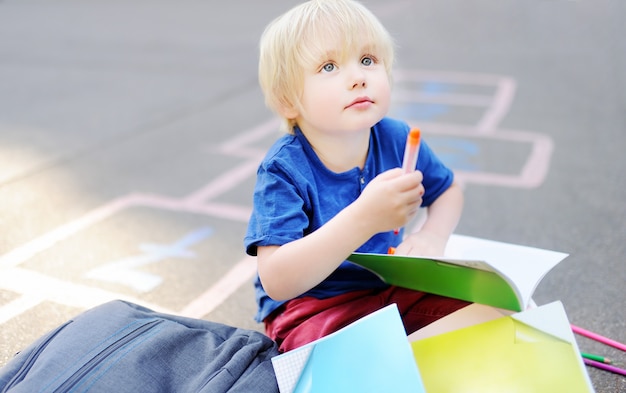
x=390, y=174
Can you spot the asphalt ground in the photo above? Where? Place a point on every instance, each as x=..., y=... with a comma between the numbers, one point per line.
x=130, y=132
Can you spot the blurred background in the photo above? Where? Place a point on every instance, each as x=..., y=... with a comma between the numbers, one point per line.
x=130, y=132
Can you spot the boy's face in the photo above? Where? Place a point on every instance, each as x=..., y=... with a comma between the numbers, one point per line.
x=344, y=92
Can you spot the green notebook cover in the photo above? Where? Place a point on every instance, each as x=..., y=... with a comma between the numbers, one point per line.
x=477, y=270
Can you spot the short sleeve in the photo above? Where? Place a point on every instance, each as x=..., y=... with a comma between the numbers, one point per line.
x=437, y=176
x=278, y=215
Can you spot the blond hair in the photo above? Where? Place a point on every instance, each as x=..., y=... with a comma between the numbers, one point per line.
x=293, y=42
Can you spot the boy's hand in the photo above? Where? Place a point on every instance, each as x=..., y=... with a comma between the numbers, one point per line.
x=422, y=243
x=391, y=199
x=443, y=215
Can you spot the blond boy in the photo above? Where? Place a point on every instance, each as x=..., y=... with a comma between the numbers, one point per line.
x=333, y=184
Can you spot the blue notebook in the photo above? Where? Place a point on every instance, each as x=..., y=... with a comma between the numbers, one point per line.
x=372, y=354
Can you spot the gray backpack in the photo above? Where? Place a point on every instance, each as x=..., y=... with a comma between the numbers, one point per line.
x=122, y=347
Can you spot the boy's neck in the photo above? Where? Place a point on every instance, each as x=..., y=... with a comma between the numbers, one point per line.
x=340, y=152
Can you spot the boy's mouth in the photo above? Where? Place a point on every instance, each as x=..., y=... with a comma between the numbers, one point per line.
x=360, y=102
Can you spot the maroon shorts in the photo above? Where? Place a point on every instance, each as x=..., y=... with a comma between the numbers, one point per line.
x=302, y=320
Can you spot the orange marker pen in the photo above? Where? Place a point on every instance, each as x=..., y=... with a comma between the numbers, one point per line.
x=411, y=152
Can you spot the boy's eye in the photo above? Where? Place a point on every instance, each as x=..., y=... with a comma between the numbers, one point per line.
x=367, y=61
x=328, y=67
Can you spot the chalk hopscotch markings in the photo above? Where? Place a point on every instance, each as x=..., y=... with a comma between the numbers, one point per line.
x=122, y=271
x=496, y=105
x=196, y=202
x=20, y=305
x=238, y=275
x=34, y=288
x=457, y=153
x=530, y=175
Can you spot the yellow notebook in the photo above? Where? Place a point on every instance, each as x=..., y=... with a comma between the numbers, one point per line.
x=531, y=351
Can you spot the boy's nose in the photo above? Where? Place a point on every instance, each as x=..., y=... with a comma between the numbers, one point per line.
x=359, y=83
x=357, y=79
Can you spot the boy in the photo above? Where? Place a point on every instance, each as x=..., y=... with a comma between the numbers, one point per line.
x=333, y=185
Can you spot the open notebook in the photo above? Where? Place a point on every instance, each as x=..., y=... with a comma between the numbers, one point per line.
x=484, y=271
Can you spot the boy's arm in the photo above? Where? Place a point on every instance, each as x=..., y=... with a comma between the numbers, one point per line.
x=388, y=202
x=442, y=218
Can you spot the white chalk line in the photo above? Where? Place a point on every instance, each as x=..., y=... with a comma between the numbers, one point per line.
x=198, y=202
x=34, y=288
x=239, y=274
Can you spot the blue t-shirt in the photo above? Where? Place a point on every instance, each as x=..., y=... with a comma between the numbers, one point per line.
x=295, y=194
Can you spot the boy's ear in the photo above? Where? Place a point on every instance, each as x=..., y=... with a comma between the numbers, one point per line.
x=288, y=110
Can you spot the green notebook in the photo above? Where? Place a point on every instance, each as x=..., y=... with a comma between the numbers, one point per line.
x=483, y=271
